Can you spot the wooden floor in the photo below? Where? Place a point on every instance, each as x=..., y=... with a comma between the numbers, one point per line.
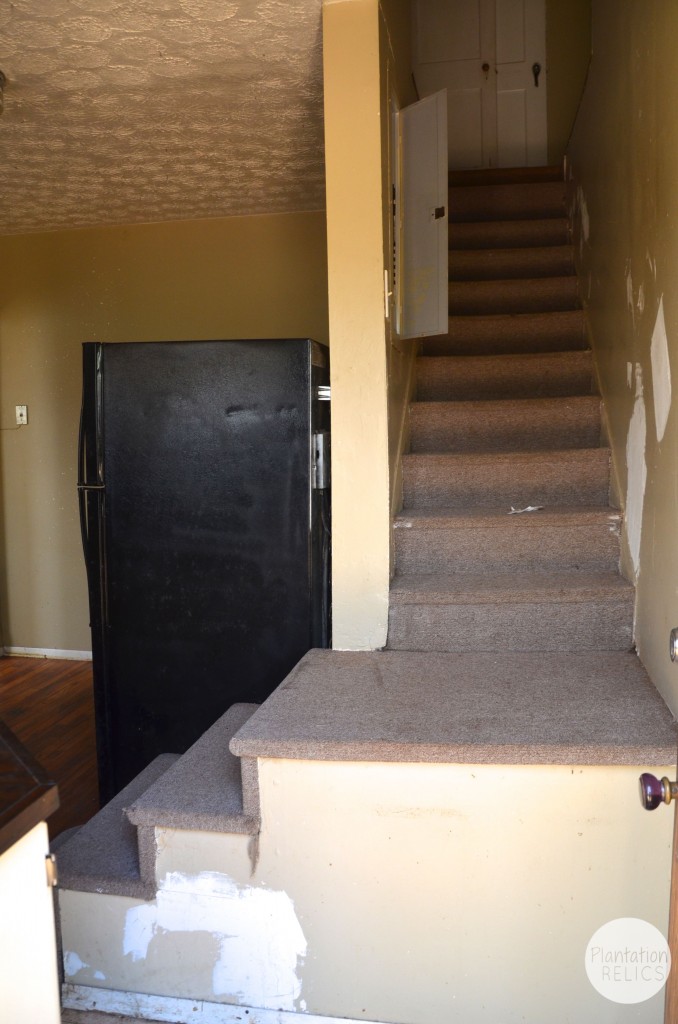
x=48, y=705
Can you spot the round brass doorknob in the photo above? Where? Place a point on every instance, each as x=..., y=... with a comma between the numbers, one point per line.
x=654, y=791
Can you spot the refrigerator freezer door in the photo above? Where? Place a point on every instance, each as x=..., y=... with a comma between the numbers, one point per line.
x=212, y=587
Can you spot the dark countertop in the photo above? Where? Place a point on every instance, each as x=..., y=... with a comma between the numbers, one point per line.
x=583, y=709
x=27, y=795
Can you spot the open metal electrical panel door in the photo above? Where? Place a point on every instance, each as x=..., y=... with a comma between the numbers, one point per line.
x=421, y=218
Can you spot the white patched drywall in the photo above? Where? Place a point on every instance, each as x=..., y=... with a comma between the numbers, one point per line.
x=637, y=472
x=661, y=372
x=259, y=973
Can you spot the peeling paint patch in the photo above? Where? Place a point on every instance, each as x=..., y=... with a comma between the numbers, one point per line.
x=73, y=964
x=661, y=372
x=651, y=263
x=637, y=472
x=640, y=303
x=259, y=936
x=139, y=930
x=631, y=304
x=629, y=375
x=584, y=214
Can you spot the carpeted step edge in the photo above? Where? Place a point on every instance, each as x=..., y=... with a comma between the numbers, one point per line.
x=510, y=333
x=574, y=620
x=544, y=541
x=503, y=425
x=102, y=856
x=472, y=236
x=508, y=263
x=208, y=788
x=513, y=295
x=577, y=476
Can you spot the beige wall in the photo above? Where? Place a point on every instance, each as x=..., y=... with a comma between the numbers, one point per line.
x=624, y=166
x=397, y=91
x=371, y=371
x=568, y=53
x=427, y=893
x=238, y=277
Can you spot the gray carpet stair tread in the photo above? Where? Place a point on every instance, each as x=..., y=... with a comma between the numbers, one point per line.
x=506, y=424
x=549, y=540
x=565, y=587
x=510, y=376
x=517, y=479
x=103, y=856
x=203, y=789
x=510, y=295
x=505, y=175
x=597, y=708
x=498, y=518
x=530, y=261
x=506, y=201
x=505, y=333
x=509, y=234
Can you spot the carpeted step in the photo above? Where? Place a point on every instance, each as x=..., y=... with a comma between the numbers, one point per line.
x=525, y=424
x=470, y=540
x=102, y=856
x=528, y=375
x=207, y=789
x=576, y=477
x=507, y=202
x=498, y=264
x=566, y=612
x=502, y=334
x=526, y=295
x=505, y=175
x=394, y=706
x=511, y=234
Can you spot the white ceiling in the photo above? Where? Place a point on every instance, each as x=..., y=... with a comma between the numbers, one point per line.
x=124, y=111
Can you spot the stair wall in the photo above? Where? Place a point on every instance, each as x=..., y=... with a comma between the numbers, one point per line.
x=381, y=892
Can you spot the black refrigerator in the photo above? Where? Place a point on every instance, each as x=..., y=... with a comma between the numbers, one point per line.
x=205, y=508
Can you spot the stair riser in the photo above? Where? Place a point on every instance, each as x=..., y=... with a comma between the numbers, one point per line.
x=466, y=298
x=507, y=202
x=505, y=175
x=502, y=234
x=429, y=483
x=498, y=628
x=503, y=264
x=463, y=427
x=564, y=331
x=498, y=549
x=445, y=379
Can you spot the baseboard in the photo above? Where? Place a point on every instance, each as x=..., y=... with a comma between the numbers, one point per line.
x=46, y=652
x=137, y=1005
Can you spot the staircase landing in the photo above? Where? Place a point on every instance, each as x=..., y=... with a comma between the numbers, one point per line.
x=594, y=709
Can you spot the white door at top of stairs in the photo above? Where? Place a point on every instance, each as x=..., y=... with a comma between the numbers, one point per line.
x=490, y=55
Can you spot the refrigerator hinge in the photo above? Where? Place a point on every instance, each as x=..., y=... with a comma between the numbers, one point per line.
x=321, y=460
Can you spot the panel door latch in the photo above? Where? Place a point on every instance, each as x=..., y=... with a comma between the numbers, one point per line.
x=51, y=870
x=321, y=460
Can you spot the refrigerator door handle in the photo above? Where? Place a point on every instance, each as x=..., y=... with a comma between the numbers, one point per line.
x=91, y=489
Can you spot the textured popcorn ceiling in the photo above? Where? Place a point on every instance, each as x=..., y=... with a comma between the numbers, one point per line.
x=122, y=111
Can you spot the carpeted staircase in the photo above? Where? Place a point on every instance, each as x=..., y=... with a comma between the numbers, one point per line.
x=507, y=416
x=169, y=897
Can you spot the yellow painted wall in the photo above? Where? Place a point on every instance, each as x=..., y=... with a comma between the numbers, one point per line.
x=366, y=65
x=568, y=53
x=238, y=277
x=624, y=166
x=426, y=893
